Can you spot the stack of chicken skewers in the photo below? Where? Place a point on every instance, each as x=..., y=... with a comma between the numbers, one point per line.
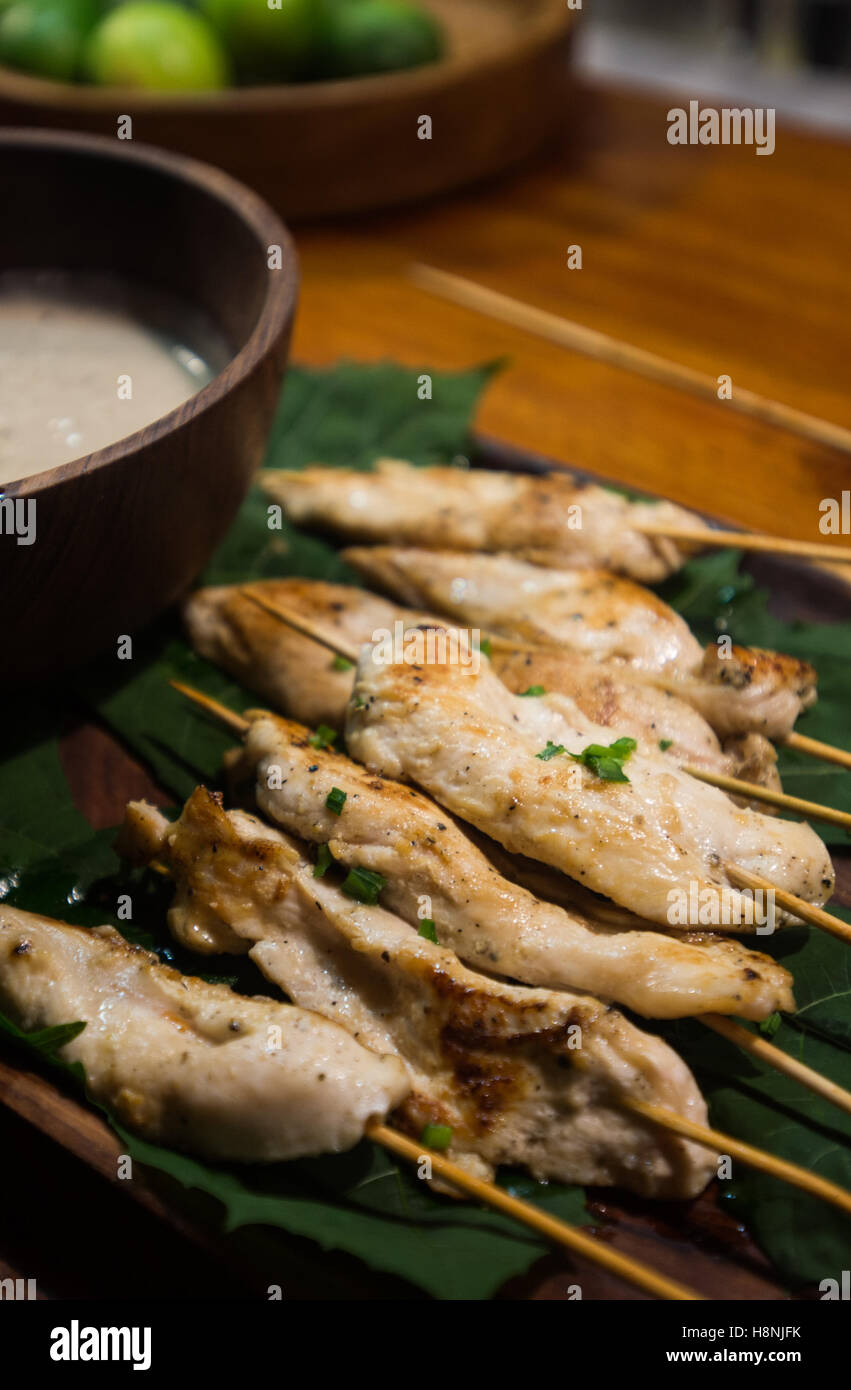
x=468, y=897
x=533, y=870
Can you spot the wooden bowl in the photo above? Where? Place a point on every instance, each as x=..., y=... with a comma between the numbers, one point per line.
x=330, y=147
x=120, y=533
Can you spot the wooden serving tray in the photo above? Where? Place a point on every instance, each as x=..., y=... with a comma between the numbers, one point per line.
x=315, y=149
x=697, y=1242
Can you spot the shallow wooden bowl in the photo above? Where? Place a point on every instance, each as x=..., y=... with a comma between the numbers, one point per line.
x=120, y=533
x=322, y=148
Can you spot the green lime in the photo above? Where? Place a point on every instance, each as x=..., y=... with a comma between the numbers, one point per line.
x=158, y=46
x=380, y=36
x=46, y=36
x=266, y=43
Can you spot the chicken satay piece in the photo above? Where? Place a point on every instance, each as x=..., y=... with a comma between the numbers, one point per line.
x=519, y=1076
x=569, y=522
x=596, y=614
x=614, y=699
x=293, y=672
x=303, y=680
x=509, y=766
x=187, y=1063
x=489, y=921
x=601, y=914
x=743, y=689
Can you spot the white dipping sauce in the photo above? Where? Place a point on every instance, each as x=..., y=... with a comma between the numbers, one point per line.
x=80, y=369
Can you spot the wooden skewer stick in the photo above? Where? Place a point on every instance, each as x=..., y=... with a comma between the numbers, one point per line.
x=350, y=652
x=576, y=337
x=571, y=1237
x=225, y=716
x=816, y=749
x=771, y=1055
x=336, y=644
x=746, y=1153
x=807, y=912
x=810, y=810
x=746, y=540
x=766, y=1052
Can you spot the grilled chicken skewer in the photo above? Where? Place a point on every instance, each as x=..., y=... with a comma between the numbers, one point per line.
x=504, y=764
x=520, y=1076
x=227, y=626
x=291, y=1083
x=567, y=522
x=437, y=630
x=188, y=1063
x=711, y=1139
x=596, y=615
x=489, y=921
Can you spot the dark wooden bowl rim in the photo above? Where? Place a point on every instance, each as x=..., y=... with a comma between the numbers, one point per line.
x=278, y=304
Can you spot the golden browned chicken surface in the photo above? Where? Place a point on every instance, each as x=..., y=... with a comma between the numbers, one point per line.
x=610, y=620
x=520, y=1076
x=189, y=1063
x=302, y=679
x=567, y=522
x=490, y=921
x=517, y=769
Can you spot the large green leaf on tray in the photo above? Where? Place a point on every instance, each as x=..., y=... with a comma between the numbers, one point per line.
x=364, y=1203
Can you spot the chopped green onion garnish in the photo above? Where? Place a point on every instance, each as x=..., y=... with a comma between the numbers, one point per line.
x=342, y=663
x=533, y=690
x=769, y=1025
x=485, y=647
x=364, y=885
x=324, y=860
x=552, y=750
x=427, y=929
x=336, y=800
x=607, y=763
x=436, y=1137
x=323, y=738
x=665, y=744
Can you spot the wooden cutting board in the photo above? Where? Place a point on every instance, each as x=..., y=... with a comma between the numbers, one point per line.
x=696, y=1242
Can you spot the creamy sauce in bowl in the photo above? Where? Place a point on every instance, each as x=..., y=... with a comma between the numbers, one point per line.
x=87, y=360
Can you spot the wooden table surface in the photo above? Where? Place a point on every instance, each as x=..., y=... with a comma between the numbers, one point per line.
x=712, y=257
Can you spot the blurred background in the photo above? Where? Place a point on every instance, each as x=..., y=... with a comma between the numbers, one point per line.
x=791, y=54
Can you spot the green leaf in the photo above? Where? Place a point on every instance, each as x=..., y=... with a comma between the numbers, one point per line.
x=533, y=690
x=552, y=750
x=45, y=1041
x=364, y=885
x=365, y=1203
x=324, y=860
x=437, y=1137
x=336, y=800
x=323, y=738
x=427, y=929
x=606, y=762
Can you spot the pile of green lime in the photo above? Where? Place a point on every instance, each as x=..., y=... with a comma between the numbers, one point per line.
x=205, y=45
